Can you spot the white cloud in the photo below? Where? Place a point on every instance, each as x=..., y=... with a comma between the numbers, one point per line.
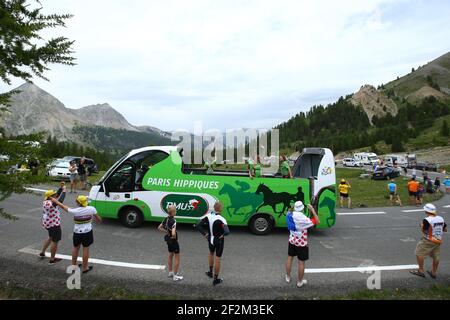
x=236, y=63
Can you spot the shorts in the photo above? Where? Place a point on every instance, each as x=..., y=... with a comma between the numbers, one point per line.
x=73, y=177
x=84, y=239
x=54, y=233
x=82, y=177
x=412, y=194
x=344, y=195
x=217, y=248
x=302, y=253
x=393, y=193
x=173, y=246
x=427, y=248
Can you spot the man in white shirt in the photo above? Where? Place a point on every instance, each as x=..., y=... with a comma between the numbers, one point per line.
x=82, y=233
x=433, y=227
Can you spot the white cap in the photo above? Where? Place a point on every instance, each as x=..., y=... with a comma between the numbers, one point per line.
x=298, y=206
x=430, y=208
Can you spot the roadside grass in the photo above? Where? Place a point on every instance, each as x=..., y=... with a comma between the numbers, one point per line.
x=435, y=292
x=373, y=193
x=14, y=292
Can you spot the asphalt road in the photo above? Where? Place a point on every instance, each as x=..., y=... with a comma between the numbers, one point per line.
x=253, y=266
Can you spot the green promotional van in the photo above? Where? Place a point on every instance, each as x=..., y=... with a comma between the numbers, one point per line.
x=142, y=184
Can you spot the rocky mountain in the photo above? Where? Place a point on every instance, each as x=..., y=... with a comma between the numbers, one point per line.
x=374, y=102
x=103, y=115
x=35, y=110
x=432, y=79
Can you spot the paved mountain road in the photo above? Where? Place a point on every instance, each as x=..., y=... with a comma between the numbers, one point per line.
x=253, y=266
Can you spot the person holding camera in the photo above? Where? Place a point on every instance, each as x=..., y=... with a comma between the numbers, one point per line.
x=169, y=227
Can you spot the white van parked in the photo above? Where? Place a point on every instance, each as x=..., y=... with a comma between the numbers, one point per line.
x=401, y=160
x=351, y=162
x=367, y=158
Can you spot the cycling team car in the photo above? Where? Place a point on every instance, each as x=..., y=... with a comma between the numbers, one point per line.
x=386, y=173
x=350, y=162
x=142, y=184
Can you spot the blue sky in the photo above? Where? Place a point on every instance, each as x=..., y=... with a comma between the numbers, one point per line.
x=237, y=64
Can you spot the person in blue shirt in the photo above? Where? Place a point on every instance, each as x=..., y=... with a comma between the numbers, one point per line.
x=446, y=184
x=393, y=194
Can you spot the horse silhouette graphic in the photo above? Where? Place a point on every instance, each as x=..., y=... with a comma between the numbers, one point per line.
x=328, y=203
x=240, y=200
x=272, y=199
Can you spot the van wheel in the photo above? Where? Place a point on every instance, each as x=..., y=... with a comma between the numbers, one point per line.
x=131, y=217
x=261, y=224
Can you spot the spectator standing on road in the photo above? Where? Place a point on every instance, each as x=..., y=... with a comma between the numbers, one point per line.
x=214, y=228
x=437, y=184
x=414, y=173
x=424, y=175
x=429, y=187
x=420, y=193
x=73, y=169
x=393, y=193
x=169, y=227
x=344, y=192
x=413, y=187
x=51, y=221
x=298, y=225
x=446, y=184
x=83, y=235
x=82, y=173
x=432, y=227
x=285, y=169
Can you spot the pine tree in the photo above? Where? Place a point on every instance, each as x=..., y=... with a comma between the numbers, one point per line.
x=24, y=52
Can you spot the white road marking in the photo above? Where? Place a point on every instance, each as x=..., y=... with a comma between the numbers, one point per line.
x=34, y=210
x=359, y=213
x=414, y=210
x=99, y=261
x=446, y=206
x=362, y=269
x=36, y=190
x=156, y=267
x=408, y=239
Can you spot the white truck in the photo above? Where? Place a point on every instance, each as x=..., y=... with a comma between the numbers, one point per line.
x=367, y=158
x=402, y=160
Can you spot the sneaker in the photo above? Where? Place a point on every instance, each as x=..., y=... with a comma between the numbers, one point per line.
x=209, y=274
x=217, y=281
x=177, y=277
x=301, y=283
x=288, y=279
x=41, y=255
x=54, y=261
x=170, y=275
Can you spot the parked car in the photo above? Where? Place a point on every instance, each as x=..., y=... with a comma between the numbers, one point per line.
x=427, y=166
x=91, y=166
x=59, y=170
x=385, y=173
x=350, y=162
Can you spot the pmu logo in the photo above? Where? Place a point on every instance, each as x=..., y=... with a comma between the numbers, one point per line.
x=187, y=205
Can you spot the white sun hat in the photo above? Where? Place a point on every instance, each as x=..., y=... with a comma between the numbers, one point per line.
x=430, y=208
x=299, y=206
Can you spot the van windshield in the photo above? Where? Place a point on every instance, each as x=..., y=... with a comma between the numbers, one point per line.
x=112, y=168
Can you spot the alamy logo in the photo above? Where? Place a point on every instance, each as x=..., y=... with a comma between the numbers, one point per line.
x=74, y=280
x=374, y=280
